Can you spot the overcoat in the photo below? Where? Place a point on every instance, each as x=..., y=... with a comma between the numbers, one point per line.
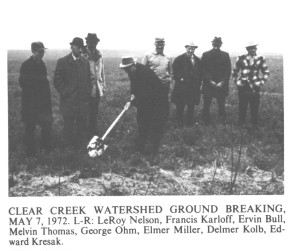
x=150, y=99
x=216, y=66
x=36, y=98
x=188, y=79
x=72, y=80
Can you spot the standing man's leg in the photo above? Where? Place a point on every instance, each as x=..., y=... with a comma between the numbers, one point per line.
x=81, y=129
x=221, y=100
x=179, y=112
x=207, y=99
x=243, y=106
x=254, y=106
x=143, y=122
x=29, y=139
x=189, y=118
x=68, y=130
x=157, y=125
x=46, y=135
x=92, y=118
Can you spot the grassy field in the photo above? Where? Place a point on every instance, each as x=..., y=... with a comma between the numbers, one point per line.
x=199, y=160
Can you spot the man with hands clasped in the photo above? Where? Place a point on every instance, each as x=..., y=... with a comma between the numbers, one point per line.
x=216, y=67
x=187, y=75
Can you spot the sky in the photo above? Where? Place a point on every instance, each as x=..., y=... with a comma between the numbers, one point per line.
x=133, y=25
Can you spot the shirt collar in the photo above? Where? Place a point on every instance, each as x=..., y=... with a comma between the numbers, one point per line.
x=74, y=57
x=254, y=57
x=155, y=53
x=189, y=55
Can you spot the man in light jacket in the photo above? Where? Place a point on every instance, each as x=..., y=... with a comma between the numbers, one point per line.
x=98, y=80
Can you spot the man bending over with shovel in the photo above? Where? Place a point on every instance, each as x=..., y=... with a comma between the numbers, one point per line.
x=151, y=102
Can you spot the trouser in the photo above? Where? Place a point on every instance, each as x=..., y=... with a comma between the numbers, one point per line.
x=92, y=116
x=221, y=99
x=180, y=111
x=75, y=130
x=150, y=126
x=248, y=98
x=29, y=139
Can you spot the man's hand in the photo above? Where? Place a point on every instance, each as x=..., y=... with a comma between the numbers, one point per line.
x=127, y=106
x=213, y=83
x=94, y=91
x=259, y=83
x=132, y=97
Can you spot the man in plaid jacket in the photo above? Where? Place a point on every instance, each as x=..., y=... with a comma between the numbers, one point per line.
x=249, y=81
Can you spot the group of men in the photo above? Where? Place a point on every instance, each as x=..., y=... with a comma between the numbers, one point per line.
x=80, y=81
x=79, y=78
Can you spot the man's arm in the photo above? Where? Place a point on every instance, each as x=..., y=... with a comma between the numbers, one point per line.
x=204, y=66
x=265, y=71
x=58, y=79
x=170, y=69
x=145, y=60
x=103, y=73
x=176, y=68
x=228, y=68
x=24, y=75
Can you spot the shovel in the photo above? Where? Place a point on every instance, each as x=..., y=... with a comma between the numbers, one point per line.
x=97, y=146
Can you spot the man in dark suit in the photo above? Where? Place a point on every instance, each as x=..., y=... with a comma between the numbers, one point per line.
x=187, y=75
x=72, y=80
x=216, y=66
x=36, y=99
x=151, y=101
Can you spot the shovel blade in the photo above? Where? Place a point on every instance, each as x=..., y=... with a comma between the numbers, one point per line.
x=96, y=147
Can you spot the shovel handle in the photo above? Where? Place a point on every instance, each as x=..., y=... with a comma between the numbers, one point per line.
x=116, y=120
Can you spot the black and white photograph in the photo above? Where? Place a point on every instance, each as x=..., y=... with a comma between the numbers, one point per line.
x=140, y=121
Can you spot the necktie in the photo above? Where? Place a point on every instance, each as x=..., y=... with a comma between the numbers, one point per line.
x=192, y=60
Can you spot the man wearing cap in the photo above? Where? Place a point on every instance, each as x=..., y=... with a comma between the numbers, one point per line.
x=98, y=75
x=72, y=80
x=248, y=82
x=150, y=100
x=216, y=67
x=161, y=65
x=36, y=99
x=187, y=75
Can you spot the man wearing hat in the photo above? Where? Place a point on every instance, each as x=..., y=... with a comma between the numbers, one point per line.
x=160, y=64
x=187, y=75
x=97, y=71
x=151, y=103
x=72, y=80
x=36, y=99
x=216, y=66
x=248, y=82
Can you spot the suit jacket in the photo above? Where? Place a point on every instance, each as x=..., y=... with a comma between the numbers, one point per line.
x=150, y=97
x=36, y=99
x=72, y=80
x=187, y=80
x=216, y=66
